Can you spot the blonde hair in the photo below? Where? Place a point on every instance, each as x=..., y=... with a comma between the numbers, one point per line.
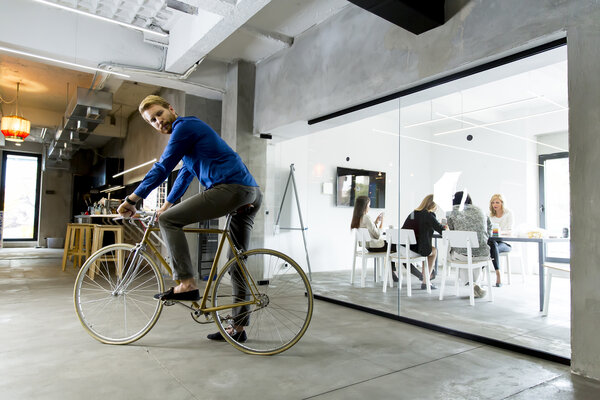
x=496, y=196
x=427, y=204
x=151, y=100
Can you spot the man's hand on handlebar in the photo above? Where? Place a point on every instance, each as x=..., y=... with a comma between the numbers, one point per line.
x=126, y=210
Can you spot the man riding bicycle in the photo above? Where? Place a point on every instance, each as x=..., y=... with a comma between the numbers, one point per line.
x=229, y=187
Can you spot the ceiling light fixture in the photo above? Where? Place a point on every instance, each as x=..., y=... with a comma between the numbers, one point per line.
x=486, y=127
x=112, y=189
x=475, y=126
x=134, y=168
x=26, y=54
x=87, y=14
x=14, y=127
x=510, y=103
x=458, y=148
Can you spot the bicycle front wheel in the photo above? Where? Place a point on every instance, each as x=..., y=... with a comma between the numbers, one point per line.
x=282, y=301
x=113, y=294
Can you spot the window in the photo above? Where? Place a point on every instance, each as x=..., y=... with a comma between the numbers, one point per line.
x=20, y=199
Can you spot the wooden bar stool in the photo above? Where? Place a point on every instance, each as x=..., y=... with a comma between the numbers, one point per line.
x=98, y=243
x=78, y=244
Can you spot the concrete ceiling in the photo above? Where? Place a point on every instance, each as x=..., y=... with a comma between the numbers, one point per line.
x=193, y=43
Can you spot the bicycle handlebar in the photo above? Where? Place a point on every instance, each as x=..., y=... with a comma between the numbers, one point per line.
x=146, y=217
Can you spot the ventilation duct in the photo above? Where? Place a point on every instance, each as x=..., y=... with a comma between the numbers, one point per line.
x=87, y=110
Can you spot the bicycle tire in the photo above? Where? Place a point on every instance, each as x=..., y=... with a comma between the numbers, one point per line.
x=124, y=316
x=286, y=302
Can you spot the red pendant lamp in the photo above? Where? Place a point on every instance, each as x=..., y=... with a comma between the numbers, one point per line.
x=14, y=127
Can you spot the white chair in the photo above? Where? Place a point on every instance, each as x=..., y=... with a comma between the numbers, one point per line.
x=361, y=239
x=403, y=239
x=553, y=270
x=515, y=252
x=468, y=240
x=505, y=256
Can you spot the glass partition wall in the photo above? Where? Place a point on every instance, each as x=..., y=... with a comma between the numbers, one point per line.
x=483, y=134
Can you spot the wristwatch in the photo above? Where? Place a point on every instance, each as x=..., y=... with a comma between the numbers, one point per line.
x=127, y=199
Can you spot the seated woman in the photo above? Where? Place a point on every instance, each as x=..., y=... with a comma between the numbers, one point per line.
x=503, y=217
x=470, y=218
x=361, y=219
x=423, y=221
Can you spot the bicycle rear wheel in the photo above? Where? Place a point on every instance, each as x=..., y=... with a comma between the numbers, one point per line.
x=283, y=305
x=113, y=294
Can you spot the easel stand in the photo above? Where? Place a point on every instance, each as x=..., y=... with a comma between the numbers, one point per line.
x=302, y=227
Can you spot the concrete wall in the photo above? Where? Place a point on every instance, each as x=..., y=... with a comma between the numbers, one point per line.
x=357, y=56
x=584, y=142
x=55, y=204
x=238, y=124
x=332, y=67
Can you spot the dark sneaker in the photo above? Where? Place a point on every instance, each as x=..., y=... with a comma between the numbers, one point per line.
x=238, y=336
x=170, y=294
x=424, y=286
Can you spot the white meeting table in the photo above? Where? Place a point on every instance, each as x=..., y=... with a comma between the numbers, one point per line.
x=542, y=258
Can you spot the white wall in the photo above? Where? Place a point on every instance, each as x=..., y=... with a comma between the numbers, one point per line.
x=482, y=175
x=315, y=158
x=371, y=143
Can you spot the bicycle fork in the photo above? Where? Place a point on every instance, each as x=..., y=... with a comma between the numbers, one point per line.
x=130, y=274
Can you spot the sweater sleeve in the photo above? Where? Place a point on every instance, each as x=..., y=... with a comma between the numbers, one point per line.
x=181, y=140
x=184, y=178
x=373, y=230
x=435, y=224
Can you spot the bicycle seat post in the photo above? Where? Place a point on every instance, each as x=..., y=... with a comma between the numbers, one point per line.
x=242, y=209
x=228, y=221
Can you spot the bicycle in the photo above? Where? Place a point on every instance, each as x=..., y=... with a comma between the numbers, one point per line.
x=114, y=290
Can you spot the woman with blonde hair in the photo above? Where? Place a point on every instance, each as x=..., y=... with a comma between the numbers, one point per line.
x=423, y=222
x=503, y=217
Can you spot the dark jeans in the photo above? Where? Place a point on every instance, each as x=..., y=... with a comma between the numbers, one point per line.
x=213, y=203
x=495, y=249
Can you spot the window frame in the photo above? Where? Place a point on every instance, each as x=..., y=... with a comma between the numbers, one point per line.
x=36, y=216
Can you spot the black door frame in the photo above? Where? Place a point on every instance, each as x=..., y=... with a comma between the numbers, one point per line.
x=542, y=158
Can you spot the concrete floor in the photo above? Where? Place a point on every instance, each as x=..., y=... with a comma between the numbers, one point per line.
x=346, y=354
x=512, y=317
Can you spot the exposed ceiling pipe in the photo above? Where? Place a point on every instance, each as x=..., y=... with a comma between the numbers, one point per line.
x=161, y=73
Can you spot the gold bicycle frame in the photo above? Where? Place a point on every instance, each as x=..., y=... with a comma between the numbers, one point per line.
x=213, y=270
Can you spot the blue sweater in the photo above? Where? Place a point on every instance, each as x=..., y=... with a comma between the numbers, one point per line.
x=204, y=154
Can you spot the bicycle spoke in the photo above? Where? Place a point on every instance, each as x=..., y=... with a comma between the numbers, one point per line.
x=283, y=305
x=116, y=306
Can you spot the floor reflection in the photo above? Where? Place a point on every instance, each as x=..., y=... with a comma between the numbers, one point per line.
x=512, y=317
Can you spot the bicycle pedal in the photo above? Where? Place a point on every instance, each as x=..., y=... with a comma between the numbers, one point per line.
x=168, y=303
